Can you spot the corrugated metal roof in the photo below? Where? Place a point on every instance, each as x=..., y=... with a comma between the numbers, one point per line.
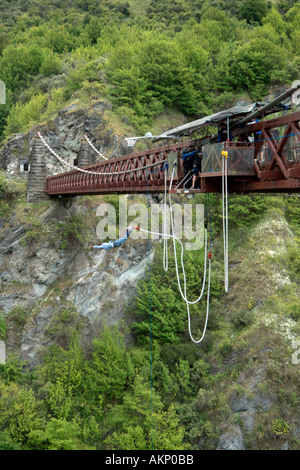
x=213, y=118
x=252, y=110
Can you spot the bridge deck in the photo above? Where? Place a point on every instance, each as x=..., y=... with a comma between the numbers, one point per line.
x=270, y=164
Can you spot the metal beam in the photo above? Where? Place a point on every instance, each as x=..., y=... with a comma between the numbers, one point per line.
x=261, y=111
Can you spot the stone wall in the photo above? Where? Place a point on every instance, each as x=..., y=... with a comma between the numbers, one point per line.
x=36, y=184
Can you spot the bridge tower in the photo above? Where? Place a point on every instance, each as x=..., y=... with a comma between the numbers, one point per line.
x=37, y=176
x=85, y=156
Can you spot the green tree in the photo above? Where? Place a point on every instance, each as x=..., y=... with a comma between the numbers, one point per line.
x=18, y=63
x=109, y=371
x=167, y=317
x=58, y=39
x=255, y=63
x=167, y=434
x=18, y=411
x=51, y=65
x=140, y=423
x=58, y=434
x=63, y=373
x=6, y=443
x=253, y=11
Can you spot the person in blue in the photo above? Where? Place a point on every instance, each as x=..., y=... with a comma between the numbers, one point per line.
x=188, y=157
x=223, y=133
x=196, y=169
x=116, y=243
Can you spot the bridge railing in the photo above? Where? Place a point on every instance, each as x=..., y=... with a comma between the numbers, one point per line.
x=133, y=173
x=240, y=158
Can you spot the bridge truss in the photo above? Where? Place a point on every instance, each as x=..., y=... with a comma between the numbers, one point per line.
x=270, y=163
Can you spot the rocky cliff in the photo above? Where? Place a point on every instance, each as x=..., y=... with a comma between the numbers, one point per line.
x=64, y=134
x=99, y=284
x=42, y=282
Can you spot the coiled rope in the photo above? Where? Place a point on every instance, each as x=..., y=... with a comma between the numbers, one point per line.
x=183, y=291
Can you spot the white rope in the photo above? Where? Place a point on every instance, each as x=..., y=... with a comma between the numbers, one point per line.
x=184, y=294
x=64, y=162
x=182, y=264
x=183, y=270
x=184, y=179
x=165, y=257
x=225, y=216
x=94, y=148
x=165, y=235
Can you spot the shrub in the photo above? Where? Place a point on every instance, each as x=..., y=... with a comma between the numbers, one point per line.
x=51, y=65
x=241, y=319
x=71, y=231
x=3, y=326
x=23, y=116
x=280, y=427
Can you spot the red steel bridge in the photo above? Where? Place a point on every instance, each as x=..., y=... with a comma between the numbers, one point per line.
x=270, y=162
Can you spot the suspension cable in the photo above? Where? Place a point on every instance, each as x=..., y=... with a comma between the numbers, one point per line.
x=93, y=147
x=64, y=162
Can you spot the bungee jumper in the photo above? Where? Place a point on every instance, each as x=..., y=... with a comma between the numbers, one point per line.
x=114, y=244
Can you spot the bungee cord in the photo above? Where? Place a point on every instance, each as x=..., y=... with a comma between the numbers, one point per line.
x=183, y=270
x=165, y=256
x=183, y=291
x=225, y=215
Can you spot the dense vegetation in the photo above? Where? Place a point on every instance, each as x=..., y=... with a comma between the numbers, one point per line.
x=157, y=389
x=195, y=56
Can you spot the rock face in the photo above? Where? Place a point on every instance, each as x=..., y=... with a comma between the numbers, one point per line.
x=232, y=439
x=99, y=284
x=43, y=280
x=64, y=135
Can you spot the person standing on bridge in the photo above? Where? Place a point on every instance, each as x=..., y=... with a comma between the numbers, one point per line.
x=188, y=157
x=196, y=168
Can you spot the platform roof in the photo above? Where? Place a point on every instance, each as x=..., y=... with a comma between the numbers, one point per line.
x=236, y=114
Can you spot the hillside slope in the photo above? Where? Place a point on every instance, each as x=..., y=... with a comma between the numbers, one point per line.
x=237, y=390
x=98, y=351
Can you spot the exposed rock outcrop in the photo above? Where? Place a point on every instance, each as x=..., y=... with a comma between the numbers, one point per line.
x=43, y=279
x=64, y=135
